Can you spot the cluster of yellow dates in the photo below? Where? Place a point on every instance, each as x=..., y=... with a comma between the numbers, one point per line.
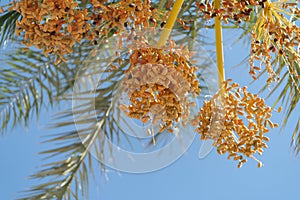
x=237, y=121
x=56, y=25
x=157, y=82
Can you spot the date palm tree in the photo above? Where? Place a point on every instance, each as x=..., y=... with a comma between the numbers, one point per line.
x=31, y=82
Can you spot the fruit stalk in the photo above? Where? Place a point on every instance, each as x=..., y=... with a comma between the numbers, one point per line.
x=219, y=45
x=170, y=23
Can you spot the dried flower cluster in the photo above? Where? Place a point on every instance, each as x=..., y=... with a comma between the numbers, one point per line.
x=237, y=121
x=235, y=10
x=275, y=34
x=55, y=26
x=157, y=83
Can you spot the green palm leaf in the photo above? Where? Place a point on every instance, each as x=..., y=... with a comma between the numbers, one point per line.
x=8, y=25
x=28, y=81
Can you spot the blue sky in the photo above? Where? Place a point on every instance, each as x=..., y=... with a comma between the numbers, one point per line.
x=211, y=178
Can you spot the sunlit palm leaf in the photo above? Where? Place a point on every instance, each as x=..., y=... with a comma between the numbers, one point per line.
x=8, y=25
x=72, y=171
x=289, y=96
x=29, y=81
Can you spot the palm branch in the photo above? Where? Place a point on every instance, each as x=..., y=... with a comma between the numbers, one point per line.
x=30, y=81
x=8, y=25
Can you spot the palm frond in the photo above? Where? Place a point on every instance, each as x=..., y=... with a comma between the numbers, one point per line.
x=288, y=97
x=296, y=137
x=71, y=172
x=8, y=25
x=30, y=82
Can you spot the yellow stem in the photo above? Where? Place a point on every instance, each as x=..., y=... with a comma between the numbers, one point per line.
x=219, y=45
x=170, y=23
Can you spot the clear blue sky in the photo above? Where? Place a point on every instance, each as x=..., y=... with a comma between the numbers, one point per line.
x=212, y=178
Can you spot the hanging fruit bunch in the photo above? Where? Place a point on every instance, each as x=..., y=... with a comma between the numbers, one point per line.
x=123, y=14
x=157, y=84
x=275, y=43
x=55, y=26
x=272, y=34
x=237, y=121
x=237, y=11
x=276, y=36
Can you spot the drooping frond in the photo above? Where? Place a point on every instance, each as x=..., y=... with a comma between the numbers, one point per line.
x=29, y=82
x=8, y=25
x=68, y=178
